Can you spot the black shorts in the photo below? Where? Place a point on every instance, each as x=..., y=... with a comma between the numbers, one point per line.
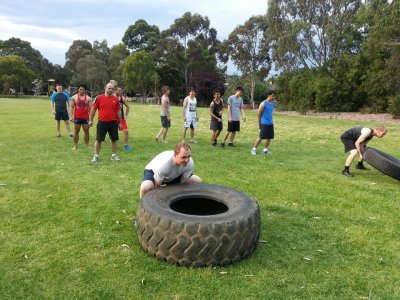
x=233, y=126
x=349, y=144
x=165, y=123
x=149, y=175
x=266, y=132
x=81, y=121
x=61, y=115
x=215, y=125
x=107, y=127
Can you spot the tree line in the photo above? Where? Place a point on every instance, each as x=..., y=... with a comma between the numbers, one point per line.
x=327, y=55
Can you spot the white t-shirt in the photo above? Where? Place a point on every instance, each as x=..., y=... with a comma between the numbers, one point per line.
x=190, y=111
x=165, y=169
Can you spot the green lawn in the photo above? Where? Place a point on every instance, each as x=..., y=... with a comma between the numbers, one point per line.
x=66, y=224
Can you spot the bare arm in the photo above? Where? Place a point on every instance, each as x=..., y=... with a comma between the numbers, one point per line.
x=361, y=141
x=260, y=111
x=72, y=107
x=128, y=108
x=164, y=107
x=185, y=104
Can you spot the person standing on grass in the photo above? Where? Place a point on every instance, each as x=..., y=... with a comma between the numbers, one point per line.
x=124, y=115
x=235, y=107
x=109, y=120
x=165, y=114
x=80, y=108
x=354, y=140
x=60, y=108
x=189, y=115
x=169, y=167
x=216, y=110
x=265, y=123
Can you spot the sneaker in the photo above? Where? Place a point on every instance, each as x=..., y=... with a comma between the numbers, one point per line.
x=95, y=159
x=114, y=157
x=58, y=135
x=231, y=145
x=265, y=151
x=347, y=173
x=183, y=142
x=222, y=145
x=253, y=151
x=71, y=135
x=128, y=148
x=165, y=141
x=194, y=142
x=214, y=144
x=361, y=167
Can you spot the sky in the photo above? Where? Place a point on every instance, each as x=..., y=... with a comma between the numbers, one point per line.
x=52, y=26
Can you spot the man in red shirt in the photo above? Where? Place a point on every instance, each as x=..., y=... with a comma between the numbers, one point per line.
x=109, y=120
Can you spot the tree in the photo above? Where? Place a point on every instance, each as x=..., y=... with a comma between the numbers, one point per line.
x=141, y=36
x=188, y=32
x=248, y=49
x=79, y=49
x=118, y=55
x=14, y=73
x=37, y=86
x=92, y=72
x=101, y=51
x=307, y=34
x=140, y=73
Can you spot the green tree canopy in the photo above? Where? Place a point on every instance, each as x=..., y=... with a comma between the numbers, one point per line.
x=14, y=73
x=141, y=36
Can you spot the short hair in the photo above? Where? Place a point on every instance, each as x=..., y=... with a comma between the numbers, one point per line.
x=216, y=91
x=113, y=82
x=381, y=128
x=191, y=89
x=239, y=88
x=82, y=85
x=179, y=146
x=164, y=89
x=269, y=93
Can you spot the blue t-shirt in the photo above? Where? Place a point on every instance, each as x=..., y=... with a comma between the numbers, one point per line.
x=266, y=116
x=60, y=100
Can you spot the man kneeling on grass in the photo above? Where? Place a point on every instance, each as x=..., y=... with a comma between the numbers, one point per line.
x=169, y=167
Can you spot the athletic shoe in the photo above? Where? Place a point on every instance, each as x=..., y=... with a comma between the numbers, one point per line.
x=165, y=141
x=71, y=135
x=265, y=151
x=222, y=145
x=214, y=144
x=347, y=173
x=95, y=159
x=58, y=135
x=194, y=142
x=231, y=145
x=128, y=148
x=253, y=151
x=114, y=157
x=361, y=167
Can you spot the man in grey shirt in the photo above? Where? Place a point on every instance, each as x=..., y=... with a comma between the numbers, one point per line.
x=169, y=167
x=235, y=107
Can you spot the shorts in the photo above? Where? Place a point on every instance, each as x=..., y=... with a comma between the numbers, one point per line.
x=61, y=115
x=149, y=175
x=233, y=126
x=349, y=144
x=190, y=123
x=81, y=121
x=266, y=132
x=124, y=125
x=165, y=123
x=107, y=127
x=215, y=125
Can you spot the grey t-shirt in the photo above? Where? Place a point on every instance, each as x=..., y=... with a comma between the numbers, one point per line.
x=236, y=104
x=165, y=170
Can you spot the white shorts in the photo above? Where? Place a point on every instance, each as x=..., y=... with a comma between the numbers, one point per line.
x=190, y=123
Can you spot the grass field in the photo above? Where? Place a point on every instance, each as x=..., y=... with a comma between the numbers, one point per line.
x=66, y=224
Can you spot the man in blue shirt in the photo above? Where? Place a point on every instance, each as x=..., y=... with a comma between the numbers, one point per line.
x=266, y=123
x=60, y=108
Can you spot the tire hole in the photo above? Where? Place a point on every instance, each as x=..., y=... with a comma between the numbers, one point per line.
x=198, y=206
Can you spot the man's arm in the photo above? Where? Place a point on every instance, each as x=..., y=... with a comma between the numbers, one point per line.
x=128, y=107
x=365, y=133
x=164, y=107
x=92, y=114
x=185, y=104
x=72, y=107
x=260, y=111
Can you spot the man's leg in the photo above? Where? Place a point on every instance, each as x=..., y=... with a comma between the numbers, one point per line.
x=68, y=127
x=86, y=136
x=165, y=134
x=194, y=179
x=184, y=134
x=58, y=127
x=97, y=147
x=77, y=129
x=146, y=186
x=126, y=136
x=349, y=160
x=232, y=137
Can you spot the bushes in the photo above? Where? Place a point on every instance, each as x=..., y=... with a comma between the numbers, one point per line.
x=394, y=106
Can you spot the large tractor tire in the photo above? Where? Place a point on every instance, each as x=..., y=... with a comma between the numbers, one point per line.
x=383, y=162
x=198, y=224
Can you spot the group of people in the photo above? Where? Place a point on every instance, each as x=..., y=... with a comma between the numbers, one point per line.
x=112, y=107
x=176, y=166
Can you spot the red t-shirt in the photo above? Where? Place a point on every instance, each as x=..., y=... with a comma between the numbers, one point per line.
x=81, y=108
x=108, y=107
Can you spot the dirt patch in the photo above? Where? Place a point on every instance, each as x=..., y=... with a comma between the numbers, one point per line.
x=377, y=118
